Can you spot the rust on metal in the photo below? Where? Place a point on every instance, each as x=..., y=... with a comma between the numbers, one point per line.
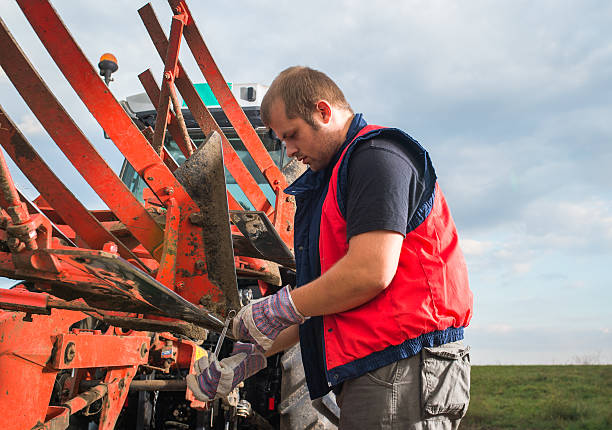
x=159, y=385
x=189, y=330
x=23, y=228
x=227, y=101
x=180, y=136
x=163, y=104
x=203, y=177
x=68, y=207
x=117, y=381
x=258, y=230
x=73, y=142
x=180, y=121
x=167, y=266
x=102, y=104
x=107, y=281
x=85, y=399
x=200, y=113
x=237, y=118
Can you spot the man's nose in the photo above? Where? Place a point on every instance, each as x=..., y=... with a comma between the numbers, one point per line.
x=291, y=149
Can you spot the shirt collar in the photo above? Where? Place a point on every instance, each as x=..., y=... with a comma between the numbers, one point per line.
x=356, y=124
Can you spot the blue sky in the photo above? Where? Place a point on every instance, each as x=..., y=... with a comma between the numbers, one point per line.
x=511, y=98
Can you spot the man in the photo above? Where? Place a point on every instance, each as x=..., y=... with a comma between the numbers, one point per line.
x=383, y=294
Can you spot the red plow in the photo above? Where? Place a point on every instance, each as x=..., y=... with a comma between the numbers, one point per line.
x=117, y=301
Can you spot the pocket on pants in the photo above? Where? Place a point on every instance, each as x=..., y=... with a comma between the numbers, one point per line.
x=384, y=376
x=445, y=380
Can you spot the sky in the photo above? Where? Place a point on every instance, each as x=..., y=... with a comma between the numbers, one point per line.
x=513, y=100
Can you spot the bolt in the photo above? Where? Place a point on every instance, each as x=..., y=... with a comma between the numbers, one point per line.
x=195, y=218
x=150, y=178
x=70, y=352
x=167, y=75
x=110, y=247
x=289, y=227
x=169, y=190
x=179, y=285
x=143, y=350
x=200, y=265
x=121, y=384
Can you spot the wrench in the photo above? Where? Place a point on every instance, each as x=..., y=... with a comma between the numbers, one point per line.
x=231, y=314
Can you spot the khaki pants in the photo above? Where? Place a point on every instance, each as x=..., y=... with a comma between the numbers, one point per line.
x=428, y=391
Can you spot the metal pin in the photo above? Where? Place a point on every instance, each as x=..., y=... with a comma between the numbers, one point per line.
x=231, y=314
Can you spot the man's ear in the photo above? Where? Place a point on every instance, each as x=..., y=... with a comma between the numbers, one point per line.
x=324, y=111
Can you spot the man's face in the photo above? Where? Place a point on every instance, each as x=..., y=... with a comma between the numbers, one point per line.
x=312, y=146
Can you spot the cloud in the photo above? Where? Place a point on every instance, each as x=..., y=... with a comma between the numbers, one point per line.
x=578, y=284
x=522, y=268
x=584, y=225
x=475, y=247
x=493, y=328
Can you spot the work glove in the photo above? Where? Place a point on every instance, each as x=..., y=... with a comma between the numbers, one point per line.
x=262, y=320
x=214, y=379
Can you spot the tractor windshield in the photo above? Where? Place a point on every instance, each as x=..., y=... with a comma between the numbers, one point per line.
x=274, y=147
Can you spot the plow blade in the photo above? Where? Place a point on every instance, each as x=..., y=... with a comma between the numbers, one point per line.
x=108, y=282
x=261, y=234
x=203, y=178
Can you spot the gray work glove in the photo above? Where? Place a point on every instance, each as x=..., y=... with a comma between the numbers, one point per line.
x=262, y=320
x=214, y=379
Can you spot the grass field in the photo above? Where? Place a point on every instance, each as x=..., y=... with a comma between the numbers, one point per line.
x=540, y=397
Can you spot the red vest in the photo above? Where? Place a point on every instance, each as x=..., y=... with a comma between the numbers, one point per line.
x=429, y=292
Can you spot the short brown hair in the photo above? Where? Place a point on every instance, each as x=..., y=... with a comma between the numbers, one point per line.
x=300, y=88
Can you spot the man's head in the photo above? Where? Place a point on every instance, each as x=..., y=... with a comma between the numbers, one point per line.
x=308, y=111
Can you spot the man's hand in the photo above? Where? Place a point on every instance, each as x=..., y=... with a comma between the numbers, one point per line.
x=262, y=320
x=214, y=379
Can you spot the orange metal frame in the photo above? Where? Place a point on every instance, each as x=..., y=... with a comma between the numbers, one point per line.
x=36, y=338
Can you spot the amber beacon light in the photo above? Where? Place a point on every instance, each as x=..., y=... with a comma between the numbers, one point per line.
x=107, y=65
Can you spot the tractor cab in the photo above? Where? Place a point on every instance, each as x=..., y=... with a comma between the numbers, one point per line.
x=249, y=97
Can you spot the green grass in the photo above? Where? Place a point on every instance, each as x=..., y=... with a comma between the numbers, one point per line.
x=540, y=397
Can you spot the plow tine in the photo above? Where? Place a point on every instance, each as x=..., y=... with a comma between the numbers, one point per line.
x=68, y=207
x=163, y=105
x=15, y=209
x=73, y=143
x=226, y=99
x=184, y=143
x=282, y=217
x=191, y=273
x=232, y=161
x=99, y=101
x=33, y=208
